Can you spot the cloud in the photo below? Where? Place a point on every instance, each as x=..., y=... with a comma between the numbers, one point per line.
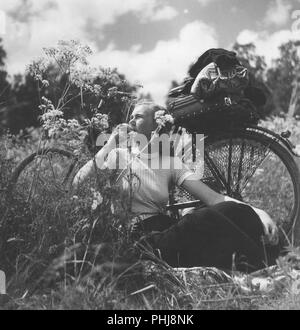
x=267, y=43
x=205, y=2
x=102, y=12
x=168, y=61
x=278, y=13
x=33, y=24
x=247, y=36
x=9, y=5
x=165, y=13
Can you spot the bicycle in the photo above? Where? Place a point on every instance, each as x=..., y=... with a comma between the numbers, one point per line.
x=244, y=163
x=50, y=170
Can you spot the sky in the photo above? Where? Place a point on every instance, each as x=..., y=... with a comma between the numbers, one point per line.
x=151, y=41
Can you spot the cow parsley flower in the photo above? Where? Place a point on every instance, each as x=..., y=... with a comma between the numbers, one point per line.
x=45, y=83
x=97, y=199
x=100, y=121
x=67, y=54
x=162, y=118
x=37, y=68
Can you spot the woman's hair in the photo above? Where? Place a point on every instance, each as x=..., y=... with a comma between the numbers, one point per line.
x=154, y=106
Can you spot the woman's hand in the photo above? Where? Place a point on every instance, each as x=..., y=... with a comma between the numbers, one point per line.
x=270, y=228
x=121, y=134
x=201, y=191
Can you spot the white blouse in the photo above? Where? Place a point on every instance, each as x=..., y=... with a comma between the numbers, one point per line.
x=153, y=176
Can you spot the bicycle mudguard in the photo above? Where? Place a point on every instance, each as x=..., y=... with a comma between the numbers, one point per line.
x=283, y=138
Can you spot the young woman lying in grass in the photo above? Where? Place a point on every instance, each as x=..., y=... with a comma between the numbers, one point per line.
x=226, y=232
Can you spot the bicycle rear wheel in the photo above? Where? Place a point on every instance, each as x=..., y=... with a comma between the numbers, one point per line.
x=255, y=168
x=44, y=176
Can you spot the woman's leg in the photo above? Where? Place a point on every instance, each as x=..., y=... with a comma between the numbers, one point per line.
x=249, y=223
x=212, y=236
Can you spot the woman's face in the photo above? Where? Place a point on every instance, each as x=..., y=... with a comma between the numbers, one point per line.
x=142, y=120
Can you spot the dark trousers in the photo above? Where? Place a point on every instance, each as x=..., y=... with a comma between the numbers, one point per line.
x=227, y=235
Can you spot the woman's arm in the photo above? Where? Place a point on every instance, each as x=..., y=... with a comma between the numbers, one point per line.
x=120, y=134
x=270, y=227
x=89, y=168
x=201, y=191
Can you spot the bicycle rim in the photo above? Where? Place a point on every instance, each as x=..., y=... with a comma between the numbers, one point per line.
x=254, y=168
x=44, y=176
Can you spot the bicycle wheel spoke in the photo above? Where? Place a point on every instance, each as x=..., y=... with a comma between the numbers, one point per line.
x=51, y=167
x=252, y=171
x=238, y=189
x=253, y=166
x=219, y=165
x=42, y=179
x=229, y=168
x=241, y=162
x=213, y=168
x=68, y=174
x=36, y=177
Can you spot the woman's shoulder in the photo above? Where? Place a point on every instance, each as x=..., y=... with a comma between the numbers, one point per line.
x=175, y=161
x=119, y=152
x=117, y=158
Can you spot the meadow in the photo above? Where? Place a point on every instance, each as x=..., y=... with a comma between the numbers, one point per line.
x=66, y=251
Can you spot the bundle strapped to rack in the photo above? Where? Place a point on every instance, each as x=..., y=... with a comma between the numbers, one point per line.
x=202, y=116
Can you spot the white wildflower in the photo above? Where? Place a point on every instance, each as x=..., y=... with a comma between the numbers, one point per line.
x=112, y=208
x=94, y=205
x=77, y=152
x=162, y=119
x=100, y=121
x=45, y=83
x=160, y=122
x=51, y=115
x=97, y=199
x=37, y=68
x=73, y=124
x=38, y=77
x=169, y=119
x=51, y=132
x=297, y=150
x=10, y=155
x=42, y=107
x=159, y=114
x=112, y=91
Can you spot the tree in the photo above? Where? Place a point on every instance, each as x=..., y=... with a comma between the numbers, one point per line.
x=22, y=111
x=4, y=85
x=283, y=78
x=255, y=63
x=257, y=67
x=5, y=88
x=27, y=91
x=115, y=107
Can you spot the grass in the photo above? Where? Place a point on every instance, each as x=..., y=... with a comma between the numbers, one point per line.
x=61, y=252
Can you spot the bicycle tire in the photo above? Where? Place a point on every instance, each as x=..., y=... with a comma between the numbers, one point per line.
x=217, y=143
x=60, y=183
